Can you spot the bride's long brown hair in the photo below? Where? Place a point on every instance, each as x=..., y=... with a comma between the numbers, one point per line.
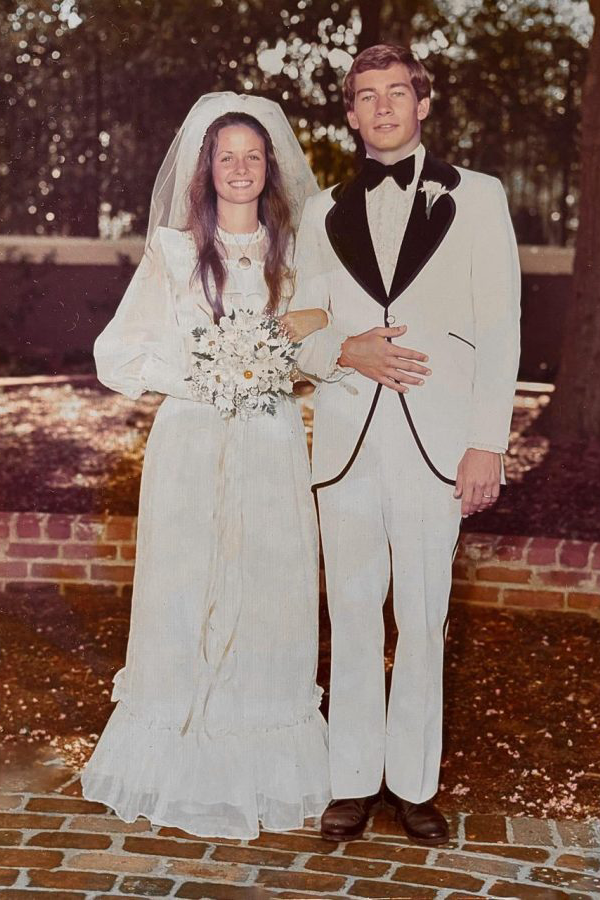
x=273, y=212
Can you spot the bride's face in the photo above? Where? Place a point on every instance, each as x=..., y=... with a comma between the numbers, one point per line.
x=239, y=165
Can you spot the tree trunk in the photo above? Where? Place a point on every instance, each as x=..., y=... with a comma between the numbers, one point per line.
x=370, y=16
x=575, y=409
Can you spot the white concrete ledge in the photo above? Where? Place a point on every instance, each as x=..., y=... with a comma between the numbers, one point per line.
x=82, y=251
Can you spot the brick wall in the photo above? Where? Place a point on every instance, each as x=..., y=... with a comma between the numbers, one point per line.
x=62, y=552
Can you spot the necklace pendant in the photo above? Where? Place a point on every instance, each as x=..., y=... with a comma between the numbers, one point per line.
x=244, y=262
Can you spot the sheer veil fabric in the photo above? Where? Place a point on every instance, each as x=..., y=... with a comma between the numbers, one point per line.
x=168, y=206
x=223, y=742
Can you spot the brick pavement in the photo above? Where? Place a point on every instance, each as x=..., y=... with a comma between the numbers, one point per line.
x=60, y=847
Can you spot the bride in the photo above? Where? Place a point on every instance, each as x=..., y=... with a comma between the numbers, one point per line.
x=217, y=728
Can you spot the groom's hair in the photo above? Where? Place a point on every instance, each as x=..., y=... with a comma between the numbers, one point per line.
x=382, y=56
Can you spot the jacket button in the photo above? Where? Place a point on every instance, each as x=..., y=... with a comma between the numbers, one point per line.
x=391, y=319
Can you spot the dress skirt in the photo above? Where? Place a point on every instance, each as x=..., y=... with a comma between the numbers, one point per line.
x=217, y=728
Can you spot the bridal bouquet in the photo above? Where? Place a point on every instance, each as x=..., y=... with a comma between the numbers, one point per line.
x=243, y=364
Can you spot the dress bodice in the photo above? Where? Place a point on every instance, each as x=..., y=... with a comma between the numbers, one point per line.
x=245, y=286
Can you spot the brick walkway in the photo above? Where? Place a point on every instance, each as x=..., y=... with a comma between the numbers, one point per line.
x=60, y=847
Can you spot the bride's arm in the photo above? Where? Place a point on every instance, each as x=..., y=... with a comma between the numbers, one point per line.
x=141, y=348
x=318, y=356
x=300, y=323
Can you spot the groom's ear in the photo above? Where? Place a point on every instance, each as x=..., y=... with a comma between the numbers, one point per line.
x=423, y=108
x=352, y=119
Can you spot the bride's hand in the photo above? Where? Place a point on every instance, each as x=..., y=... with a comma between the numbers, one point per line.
x=302, y=322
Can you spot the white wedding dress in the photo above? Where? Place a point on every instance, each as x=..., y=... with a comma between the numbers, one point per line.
x=217, y=728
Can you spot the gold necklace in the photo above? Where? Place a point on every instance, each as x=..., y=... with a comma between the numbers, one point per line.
x=244, y=261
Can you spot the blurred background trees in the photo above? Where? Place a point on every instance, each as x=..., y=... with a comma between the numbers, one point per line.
x=93, y=91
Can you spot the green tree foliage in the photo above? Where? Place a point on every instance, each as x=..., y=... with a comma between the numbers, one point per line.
x=92, y=92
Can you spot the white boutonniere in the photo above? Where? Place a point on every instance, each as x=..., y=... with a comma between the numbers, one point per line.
x=432, y=190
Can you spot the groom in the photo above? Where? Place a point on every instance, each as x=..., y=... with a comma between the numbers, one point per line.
x=406, y=441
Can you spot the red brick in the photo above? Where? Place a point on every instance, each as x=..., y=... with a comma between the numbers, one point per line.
x=253, y=856
x=384, y=889
x=21, y=858
x=107, y=824
x=486, y=829
x=89, y=551
x=509, y=851
x=478, y=593
x=59, y=527
x=564, y=578
x=58, y=570
x=194, y=890
x=33, y=550
x=525, y=892
x=374, y=850
x=146, y=887
x=10, y=801
x=89, y=528
x=580, y=863
x=5, y=524
x=32, y=587
x=119, y=528
x=437, y=877
x=8, y=876
x=527, y=830
x=127, y=551
x=300, y=881
x=24, y=820
x=595, y=556
x=583, y=601
x=112, y=573
x=297, y=843
x=503, y=574
x=96, y=590
x=28, y=525
x=10, y=838
x=28, y=894
x=478, y=864
x=534, y=599
x=511, y=548
x=168, y=831
x=542, y=551
x=346, y=865
x=13, y=569
x=113, y=862
x=578, y=834
x=63, y=805
x=81, y=881
x=164, y=847
x=209, y=871
x=71, y=840
x=575, y=554
x=461, y=571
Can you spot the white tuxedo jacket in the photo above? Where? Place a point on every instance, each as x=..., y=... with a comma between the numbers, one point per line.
x=457, y=288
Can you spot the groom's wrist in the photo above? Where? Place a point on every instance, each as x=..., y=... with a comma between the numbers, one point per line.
x=344, y=360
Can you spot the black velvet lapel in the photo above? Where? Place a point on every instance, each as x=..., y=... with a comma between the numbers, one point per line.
x=348, y=231
x=423, y=236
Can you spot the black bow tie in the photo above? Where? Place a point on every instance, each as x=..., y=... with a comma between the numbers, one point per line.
x=403, y=172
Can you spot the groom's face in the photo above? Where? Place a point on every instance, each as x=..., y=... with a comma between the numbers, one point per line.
x=387, y=112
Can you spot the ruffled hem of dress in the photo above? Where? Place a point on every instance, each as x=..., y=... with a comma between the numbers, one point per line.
x=227, y=786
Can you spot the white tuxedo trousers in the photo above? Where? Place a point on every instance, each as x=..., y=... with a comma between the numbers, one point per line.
x=389, y=514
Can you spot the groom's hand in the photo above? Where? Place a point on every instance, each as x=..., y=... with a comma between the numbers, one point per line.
x=478, y=480
x=374, y=355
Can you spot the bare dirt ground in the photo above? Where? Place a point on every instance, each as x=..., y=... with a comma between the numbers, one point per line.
x=79, y=448
x=521, y=697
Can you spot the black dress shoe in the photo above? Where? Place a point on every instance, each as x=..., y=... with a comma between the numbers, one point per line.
x=346, y=819
x=422, y=822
